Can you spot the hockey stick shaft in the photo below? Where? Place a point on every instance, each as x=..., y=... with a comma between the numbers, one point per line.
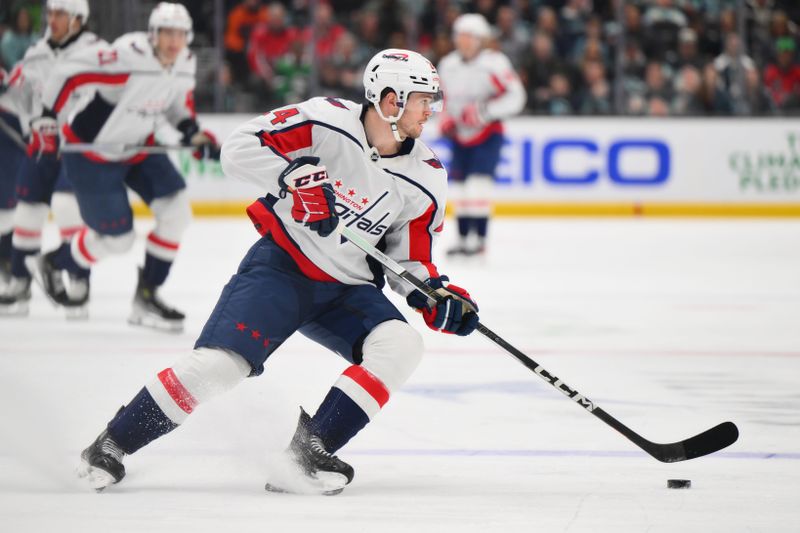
x=15, y=137
x=148, y=149
x=707, y=442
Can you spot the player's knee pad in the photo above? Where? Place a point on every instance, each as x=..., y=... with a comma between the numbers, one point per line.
x=66, y=214
x=455, y=194
x=195, y=379
x=88, y=246
x=478, y=190
x=391, y=352
x=173, y=215
x=6, y=220
x=29, y=220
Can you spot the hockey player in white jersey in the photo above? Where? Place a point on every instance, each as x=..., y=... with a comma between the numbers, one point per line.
x=321, y=163
x=135, y=84
x=39, y=177
x=482, y=89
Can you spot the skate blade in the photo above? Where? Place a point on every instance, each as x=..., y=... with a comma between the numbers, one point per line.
x=32, y=264
x=324, y=483
x=145, y=321
x=17, y=309
x=279, y=490
x=78, y=313
x=97, y=478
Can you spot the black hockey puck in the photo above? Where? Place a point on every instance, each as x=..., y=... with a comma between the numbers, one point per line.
x=679, y=483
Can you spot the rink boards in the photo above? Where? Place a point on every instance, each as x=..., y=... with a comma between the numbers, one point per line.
x=598, y=167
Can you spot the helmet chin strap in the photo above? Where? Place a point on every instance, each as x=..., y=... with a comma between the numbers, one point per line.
x=392, y=121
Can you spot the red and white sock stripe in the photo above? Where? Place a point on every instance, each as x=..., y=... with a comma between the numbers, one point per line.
x=81, y=248
x=172, y=396
x=364, y=388
x=161, y=248
x=69, y=232
x=27, y=239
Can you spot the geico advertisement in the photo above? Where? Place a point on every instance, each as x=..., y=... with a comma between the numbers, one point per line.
x=583, y=159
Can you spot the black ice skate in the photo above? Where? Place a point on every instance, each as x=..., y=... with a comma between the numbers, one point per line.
x=150, y=311
x=324, y=472
x=101, y=462
x=51, y=279
x=15, y=297
x=5, y=271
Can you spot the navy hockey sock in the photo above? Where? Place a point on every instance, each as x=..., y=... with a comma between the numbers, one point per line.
x=481, y=225
x=464, y=224
x=63, y=260
x=155, y=270
x=5, y=245
x=139, y=423
x=18, y=268
x=338, y=419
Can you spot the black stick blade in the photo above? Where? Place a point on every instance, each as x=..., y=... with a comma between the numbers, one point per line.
x=709, y=441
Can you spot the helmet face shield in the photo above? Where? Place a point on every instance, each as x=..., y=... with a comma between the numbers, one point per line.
x=433, y=102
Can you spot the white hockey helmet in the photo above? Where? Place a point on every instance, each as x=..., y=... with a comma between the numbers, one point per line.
x=472, y=24
x=404, y=72
x=76, y=8
x=169, y=15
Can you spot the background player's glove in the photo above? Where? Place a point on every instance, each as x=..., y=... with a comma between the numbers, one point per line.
x=472, y=116
x=314, y=200
x=457, y=313
x=207, y=145
x=447, y=126
x=205, y=141
x=44, y=139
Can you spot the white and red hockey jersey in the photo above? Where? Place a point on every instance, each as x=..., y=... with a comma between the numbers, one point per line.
x=396, y=202
x=488, y=80
x=27, y=79
x=130, y=96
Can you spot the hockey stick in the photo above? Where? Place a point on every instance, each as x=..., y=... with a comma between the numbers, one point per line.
x=13, y=135
x=148, y=149
x=709, y=441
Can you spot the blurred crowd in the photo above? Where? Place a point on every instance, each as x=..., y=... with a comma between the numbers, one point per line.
x=648, y=57
x=575, y=57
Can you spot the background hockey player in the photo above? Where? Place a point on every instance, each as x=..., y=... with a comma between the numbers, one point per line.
x=322, y=162
x=40, y=174
x=482, y=88
x=139, y=81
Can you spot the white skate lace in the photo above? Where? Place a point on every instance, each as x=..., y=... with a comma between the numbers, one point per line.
x=317, y=447
x=109, y=447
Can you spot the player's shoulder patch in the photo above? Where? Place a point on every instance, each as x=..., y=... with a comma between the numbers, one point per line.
x=336, y=102
x=434, y=162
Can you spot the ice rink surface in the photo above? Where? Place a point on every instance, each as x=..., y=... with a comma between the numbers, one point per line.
x=672, y=326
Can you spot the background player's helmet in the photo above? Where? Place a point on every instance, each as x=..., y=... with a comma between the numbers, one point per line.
x=404, y=72
x=76, y=8
x=472, y=24
x=168, y=15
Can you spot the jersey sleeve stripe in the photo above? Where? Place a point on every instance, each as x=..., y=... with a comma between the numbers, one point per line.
x=88, y=77
x=498, y=85
x=287, y=141
x=266, y=222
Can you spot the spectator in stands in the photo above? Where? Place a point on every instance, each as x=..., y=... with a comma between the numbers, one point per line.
x=241, y=21
x=657, y=107
x=595, y=97
x=512, y=35
x=688, y=86
x=574, y=16
x=290, y=84
x=782, y=78
x=634, y=30
x=326, y=31
x=592, y=41
x=547, y=23
x=663, y=21
x=715, y=100
x=270, y=41
x=537, y=70
x=757, y=100
x=347, y=67
x=688, y=54
x=657, y=82
x=559, y=101
x=731, y=66
x=368, y=32
x=17, y=39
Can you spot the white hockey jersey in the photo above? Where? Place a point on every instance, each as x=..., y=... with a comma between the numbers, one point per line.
x=396, y=202
x=27, y=80
x=130, y=94
x=488, y=80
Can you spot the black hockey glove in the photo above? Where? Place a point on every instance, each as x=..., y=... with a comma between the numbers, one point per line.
x=457, y=313
x=204, y=141
x=313, y=196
